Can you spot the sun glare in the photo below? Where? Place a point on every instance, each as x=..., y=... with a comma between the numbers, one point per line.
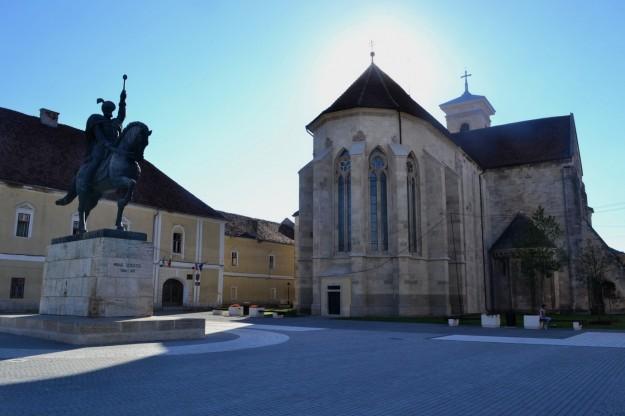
x=405, y=50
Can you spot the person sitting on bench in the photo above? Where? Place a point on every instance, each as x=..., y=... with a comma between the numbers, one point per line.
x=544, y=319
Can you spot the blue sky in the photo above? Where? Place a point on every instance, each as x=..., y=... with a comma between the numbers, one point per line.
x=228, y=87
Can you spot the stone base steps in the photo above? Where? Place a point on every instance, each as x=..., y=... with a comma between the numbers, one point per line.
x=101, y=331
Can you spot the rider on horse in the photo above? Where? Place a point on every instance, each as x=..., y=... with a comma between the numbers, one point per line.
x=102, y=133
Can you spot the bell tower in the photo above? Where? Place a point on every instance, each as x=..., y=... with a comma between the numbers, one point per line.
x=467, y=112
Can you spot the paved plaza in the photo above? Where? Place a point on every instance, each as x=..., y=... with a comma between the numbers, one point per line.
x=312, y=366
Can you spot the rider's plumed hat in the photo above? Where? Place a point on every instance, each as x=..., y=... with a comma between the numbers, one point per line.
x=107, y=106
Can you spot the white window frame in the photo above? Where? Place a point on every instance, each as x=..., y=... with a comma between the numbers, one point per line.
x=271, y=261
x=234, y=292
x=24, y=208
x=178, y=229
x=236, y=262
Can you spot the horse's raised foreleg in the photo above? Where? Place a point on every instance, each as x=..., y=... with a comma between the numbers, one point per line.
x=129, y=184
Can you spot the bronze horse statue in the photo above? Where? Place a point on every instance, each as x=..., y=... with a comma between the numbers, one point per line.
x=118, y=171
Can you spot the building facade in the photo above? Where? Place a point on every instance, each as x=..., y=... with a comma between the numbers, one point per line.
x=399, y=215
x=259, y=264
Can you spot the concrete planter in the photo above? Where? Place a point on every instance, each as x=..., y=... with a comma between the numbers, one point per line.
x=277, y=315
x=532, y=322
x=257, y=312
x=453, y=322
x=490, y=321
x=235, y=311
x=577, y=326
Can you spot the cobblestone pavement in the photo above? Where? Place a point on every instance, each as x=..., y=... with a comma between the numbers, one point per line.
x=347, y=368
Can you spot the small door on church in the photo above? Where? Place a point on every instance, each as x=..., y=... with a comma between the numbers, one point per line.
x=334, y=300
x=172, y=293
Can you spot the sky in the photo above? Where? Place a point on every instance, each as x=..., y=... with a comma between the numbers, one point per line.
x=227, y=87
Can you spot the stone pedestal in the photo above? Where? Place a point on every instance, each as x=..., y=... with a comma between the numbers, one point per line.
x=103, y=273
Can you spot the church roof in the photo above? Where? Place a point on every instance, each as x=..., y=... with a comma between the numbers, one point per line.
x=530, y=141
x=521, y=233
x=261, y=230
x=37, y=155
x=375, y=89
x=468, y=97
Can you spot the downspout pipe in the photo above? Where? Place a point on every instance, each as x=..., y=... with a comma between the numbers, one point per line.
x=399, y=122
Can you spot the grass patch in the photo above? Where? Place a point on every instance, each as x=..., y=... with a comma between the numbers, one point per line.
x=564, y=321
x=588, y=321
x=290, y=312
x=471, y=319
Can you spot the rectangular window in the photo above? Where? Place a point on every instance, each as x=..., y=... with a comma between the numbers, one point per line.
x=233, y=293
x=273, y=292
x=23, y=223
x=234, y=258
x=189, y=277
x=17, y=287
x=272, y=262
x=177, y=243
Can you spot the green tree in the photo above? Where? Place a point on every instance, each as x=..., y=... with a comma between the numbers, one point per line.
x=593, y=263
x=539, y=255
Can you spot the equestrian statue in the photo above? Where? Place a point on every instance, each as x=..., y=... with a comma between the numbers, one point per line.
x=111, y=162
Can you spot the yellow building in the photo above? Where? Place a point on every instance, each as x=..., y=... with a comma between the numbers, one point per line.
x=259, y=264
x=38, y=158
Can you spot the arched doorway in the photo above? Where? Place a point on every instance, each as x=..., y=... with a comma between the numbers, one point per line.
x=172, y=293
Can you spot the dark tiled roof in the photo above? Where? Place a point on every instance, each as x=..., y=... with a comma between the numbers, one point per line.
x=465, y=97
x=261, y=230
x=521, y=233
x=37, y=155
x=287, y=228
x=519, y=143
x=375, y=89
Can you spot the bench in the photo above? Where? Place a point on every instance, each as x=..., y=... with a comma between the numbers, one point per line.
x=490, y=321
x=456, y=320
x=532, y=322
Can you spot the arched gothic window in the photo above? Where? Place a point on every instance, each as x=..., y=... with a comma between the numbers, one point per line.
x=344, y=201
x=378, y=216
x=412, y=183
x=464, y=127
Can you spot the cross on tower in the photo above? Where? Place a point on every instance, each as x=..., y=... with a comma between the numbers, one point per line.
x=466, y=83
x=372, y=53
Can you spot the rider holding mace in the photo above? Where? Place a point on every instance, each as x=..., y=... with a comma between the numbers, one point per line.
x=103, y=132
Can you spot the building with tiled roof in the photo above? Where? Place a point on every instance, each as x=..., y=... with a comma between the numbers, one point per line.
x=259, y=265
x=399, y=215
x=38, y=158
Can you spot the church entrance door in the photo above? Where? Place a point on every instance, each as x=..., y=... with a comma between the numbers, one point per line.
x=172, y=293
x=334, y=300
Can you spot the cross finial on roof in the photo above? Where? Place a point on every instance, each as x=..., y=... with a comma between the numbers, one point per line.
x=466, y=83
x=372, y=53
